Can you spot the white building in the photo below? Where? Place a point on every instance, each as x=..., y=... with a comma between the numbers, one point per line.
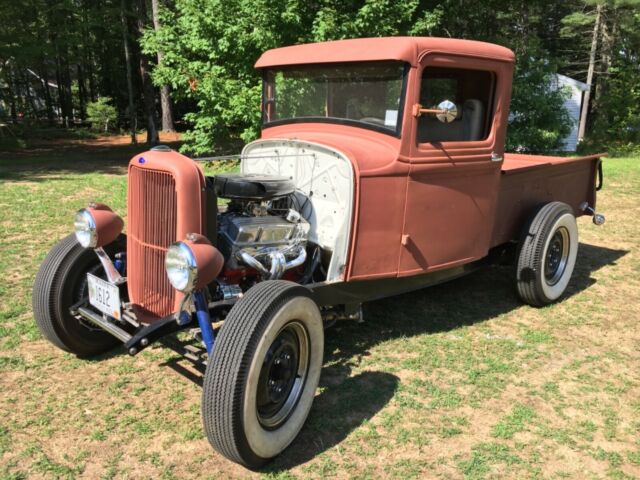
x=573, y=104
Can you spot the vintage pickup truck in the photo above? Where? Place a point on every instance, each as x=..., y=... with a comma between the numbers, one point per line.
x=380, y=169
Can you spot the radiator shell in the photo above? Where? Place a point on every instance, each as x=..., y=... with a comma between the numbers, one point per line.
x=165, y=203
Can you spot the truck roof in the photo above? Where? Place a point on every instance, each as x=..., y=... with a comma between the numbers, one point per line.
x=406, y=49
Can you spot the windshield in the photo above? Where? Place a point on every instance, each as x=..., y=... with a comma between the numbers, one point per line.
x=368, y=95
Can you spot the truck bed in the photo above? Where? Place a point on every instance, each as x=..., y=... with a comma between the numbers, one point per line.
x=519, y=162
x=528, y=181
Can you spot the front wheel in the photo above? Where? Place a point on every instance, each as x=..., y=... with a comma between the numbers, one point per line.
x=547, y=255
x=261, y=380
x=60, y=283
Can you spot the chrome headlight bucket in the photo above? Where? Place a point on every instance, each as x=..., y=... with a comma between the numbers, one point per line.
x=97, y=226
x=181, y=267
x=85, y=229
x=193, y=263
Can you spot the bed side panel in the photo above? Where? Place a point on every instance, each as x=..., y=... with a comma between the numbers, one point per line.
x=523, y=191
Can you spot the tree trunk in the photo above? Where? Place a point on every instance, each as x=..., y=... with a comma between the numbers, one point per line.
x=165, y=94
x=86, y=59
x=66, y=84
x=43, y=73
x=592, y=61
x=127, y=57
x=82, y=92
x=62, y=95
x=47, y=94
x=148, y=92
x=12, y=96
x=27, y=91
x=608, y=28
x=149, y=101
x=91, y=76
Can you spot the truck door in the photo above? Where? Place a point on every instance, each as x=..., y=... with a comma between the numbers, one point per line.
x=455, y=167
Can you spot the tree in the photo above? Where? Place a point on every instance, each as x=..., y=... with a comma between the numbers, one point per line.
x=148, y=92
x=127, y=59
x=208, y=60
x=616, y=108
x=204, y=51
x=592, y=63
x=100, y=113
x=165, y=95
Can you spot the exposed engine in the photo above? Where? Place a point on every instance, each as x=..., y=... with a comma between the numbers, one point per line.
x=262, y=229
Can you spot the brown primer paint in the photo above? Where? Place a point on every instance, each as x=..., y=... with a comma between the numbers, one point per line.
x=188, y=179
x=424, y=207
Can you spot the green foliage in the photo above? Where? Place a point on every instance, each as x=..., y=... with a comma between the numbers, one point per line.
x=209, y=48
x=618, y=116
x=614, y=120
x=102, y=114
x=538, y=119
x=208, y=60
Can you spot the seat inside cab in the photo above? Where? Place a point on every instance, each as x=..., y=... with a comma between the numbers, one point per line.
x=470, y=90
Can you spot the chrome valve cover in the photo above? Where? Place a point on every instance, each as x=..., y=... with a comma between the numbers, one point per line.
x=255, y=235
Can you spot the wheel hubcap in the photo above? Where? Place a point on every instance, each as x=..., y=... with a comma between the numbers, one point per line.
x=282, y=376
x=557, y=256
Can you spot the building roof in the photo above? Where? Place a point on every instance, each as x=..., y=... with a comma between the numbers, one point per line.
x=564, y=80
x=407, y=49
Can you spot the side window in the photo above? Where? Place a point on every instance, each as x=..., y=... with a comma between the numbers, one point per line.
x=472, y=93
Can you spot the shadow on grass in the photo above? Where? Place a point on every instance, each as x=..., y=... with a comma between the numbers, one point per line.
x=349, y=401
x=346, y=401
x=341, y=407
x=41, y=164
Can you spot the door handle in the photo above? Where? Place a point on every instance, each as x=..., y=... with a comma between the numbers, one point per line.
x=495, y=157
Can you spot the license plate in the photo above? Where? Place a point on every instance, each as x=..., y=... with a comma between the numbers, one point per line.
x=104, y=296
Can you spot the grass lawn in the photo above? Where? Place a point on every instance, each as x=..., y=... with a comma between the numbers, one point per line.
x=456, y=381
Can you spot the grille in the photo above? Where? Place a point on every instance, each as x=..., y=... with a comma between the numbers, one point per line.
x=152, y=212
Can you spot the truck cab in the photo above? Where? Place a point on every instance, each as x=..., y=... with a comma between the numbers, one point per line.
x=427, y=184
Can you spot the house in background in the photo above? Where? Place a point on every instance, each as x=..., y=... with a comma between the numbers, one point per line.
x=573, y=105
x=27, y=90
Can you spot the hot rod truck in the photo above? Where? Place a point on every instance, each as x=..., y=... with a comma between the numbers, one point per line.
x=380, y=170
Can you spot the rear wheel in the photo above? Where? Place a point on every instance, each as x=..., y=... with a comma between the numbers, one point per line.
x=547, y=255
x=261, y=380
x=60, y=283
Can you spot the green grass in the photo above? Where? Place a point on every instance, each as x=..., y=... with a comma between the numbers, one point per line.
x=456, y=381
x=516, y=421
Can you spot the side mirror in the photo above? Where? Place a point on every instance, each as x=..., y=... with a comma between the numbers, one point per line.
x=446, y=112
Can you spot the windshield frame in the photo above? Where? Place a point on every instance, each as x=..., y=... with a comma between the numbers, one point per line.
x=336, y=120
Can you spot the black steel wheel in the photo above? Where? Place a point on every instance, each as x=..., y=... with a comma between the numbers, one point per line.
x=262, y=376
x=283, y=374
x=557, y=256
x=60, y=283
x=547, y=255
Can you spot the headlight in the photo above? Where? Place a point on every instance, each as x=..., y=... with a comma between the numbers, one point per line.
x=85, y=227
x=97, y=226
x=193, y=263
x=181, y=267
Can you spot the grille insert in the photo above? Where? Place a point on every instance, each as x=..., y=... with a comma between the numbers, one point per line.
x=152, y=219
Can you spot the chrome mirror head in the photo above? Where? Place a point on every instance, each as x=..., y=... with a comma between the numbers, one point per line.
x=448, y=111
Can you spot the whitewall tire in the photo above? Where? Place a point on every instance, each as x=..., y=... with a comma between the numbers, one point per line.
x=262, y=377
x=547, y=255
